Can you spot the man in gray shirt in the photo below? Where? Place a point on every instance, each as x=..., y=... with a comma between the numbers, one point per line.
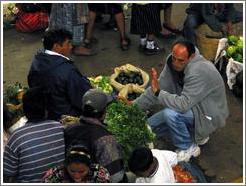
x=192, y=94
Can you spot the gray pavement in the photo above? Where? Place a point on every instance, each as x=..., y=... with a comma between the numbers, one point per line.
x=221, y=157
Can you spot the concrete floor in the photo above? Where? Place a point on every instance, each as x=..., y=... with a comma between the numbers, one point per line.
x=221, y=158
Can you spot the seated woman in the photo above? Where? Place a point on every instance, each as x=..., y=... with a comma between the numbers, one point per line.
x=161, y=166
x=77, y=168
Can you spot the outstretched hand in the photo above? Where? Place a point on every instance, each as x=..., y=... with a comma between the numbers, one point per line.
x=154, y=80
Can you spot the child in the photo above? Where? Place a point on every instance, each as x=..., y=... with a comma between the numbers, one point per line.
x=161, y=166
x=153, y=166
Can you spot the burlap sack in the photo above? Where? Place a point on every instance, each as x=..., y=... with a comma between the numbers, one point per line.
x=128, y=68
x=128, y=89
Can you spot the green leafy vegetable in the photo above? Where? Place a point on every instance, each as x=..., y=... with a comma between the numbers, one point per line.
x=129, y=125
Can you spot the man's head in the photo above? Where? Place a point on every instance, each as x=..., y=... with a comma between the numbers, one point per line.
x=94, y=103
x=182, y=53
x=34, y=104
x=58, y=41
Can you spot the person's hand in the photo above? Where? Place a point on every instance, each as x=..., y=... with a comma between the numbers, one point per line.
x=224, y=30
x=154, y=81
x=229, y=27
x=123, y=99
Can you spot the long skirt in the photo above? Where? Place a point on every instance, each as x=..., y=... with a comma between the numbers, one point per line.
x=145, y=19
x=70, y=16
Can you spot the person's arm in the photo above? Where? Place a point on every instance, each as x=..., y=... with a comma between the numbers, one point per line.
x=196, y=87
x=77, y=85
x=10, y=164
x=210, y=19
x=108, y=154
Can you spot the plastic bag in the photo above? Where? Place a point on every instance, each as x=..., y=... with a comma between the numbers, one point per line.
x=232, y=69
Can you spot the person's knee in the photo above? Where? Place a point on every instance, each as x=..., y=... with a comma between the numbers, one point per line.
x=169, y=115
x=190, y=23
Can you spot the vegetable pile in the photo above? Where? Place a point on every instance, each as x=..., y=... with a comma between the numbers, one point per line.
x=131, y=77
x=101, y=82
x=12, y=96
x=129, y=125
x=235, y=48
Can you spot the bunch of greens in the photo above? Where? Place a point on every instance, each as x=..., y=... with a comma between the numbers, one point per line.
x=101, y=82
x=13, y=93
x=129, y=125
x=235, y=48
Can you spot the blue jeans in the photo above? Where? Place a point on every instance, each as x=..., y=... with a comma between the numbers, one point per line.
x=179, y=126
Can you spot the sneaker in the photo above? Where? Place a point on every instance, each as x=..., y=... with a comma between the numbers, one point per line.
x=204, y=141
x=155, y=50
x=185, y=155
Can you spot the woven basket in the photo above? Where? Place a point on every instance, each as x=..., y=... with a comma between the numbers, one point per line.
x=207, y=46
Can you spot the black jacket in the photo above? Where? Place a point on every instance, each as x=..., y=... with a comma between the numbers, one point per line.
x=61, y=80
x=102, y=145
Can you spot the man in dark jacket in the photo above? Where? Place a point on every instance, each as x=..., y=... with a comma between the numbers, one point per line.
x=55, y=72
x=92, y=132
x=218, y=16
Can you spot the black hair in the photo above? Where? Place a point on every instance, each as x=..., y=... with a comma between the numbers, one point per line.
x=55, y=36
x=78, y=154
x=140, y=160
x=89, y=111
x=189, y=46
x=7, y=118
x=34, y=106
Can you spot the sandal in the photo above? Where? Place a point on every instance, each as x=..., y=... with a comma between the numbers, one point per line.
x=125, y=46
x=83, y=51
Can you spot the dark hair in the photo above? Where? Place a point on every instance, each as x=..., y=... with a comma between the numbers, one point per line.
x=189, y=46
x=78, y=154
x=140, y=160
x=55, y=36
x=7, y=118
x=89, y=111
x=34, y=104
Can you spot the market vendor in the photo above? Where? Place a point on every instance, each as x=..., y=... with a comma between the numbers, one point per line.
x=218, y=16
x=53, y=70
x=192, y=94
x=92, y=133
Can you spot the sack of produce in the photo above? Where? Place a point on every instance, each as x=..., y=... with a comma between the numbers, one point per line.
x=128, y=74
x=131, y=92
x=102, y=83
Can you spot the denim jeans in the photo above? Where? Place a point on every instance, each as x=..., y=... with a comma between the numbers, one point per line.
x=179, y=126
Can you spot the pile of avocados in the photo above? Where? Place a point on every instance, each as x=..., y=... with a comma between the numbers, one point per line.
x=130, y=77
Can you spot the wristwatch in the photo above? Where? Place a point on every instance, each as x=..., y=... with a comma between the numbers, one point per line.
x=157, y=93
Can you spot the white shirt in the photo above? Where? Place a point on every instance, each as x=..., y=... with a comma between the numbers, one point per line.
x=55, y=53
x=164, y=174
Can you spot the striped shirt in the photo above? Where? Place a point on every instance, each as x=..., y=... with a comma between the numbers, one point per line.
x=32, y=150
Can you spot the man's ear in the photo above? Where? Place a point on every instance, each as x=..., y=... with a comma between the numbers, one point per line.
x=192, y=56
x=56, y=47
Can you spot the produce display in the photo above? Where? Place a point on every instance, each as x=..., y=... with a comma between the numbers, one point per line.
x=129, y=125
x=101, y=82
x=235, y=48
x=130, y=77
x=12, y=96
x=13, y=93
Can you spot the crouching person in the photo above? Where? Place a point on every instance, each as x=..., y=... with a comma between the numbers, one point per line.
x=162, y=166
x=92, y=132
x=37, y=146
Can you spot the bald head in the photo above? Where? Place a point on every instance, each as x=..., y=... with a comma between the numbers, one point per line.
x=182, y=53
